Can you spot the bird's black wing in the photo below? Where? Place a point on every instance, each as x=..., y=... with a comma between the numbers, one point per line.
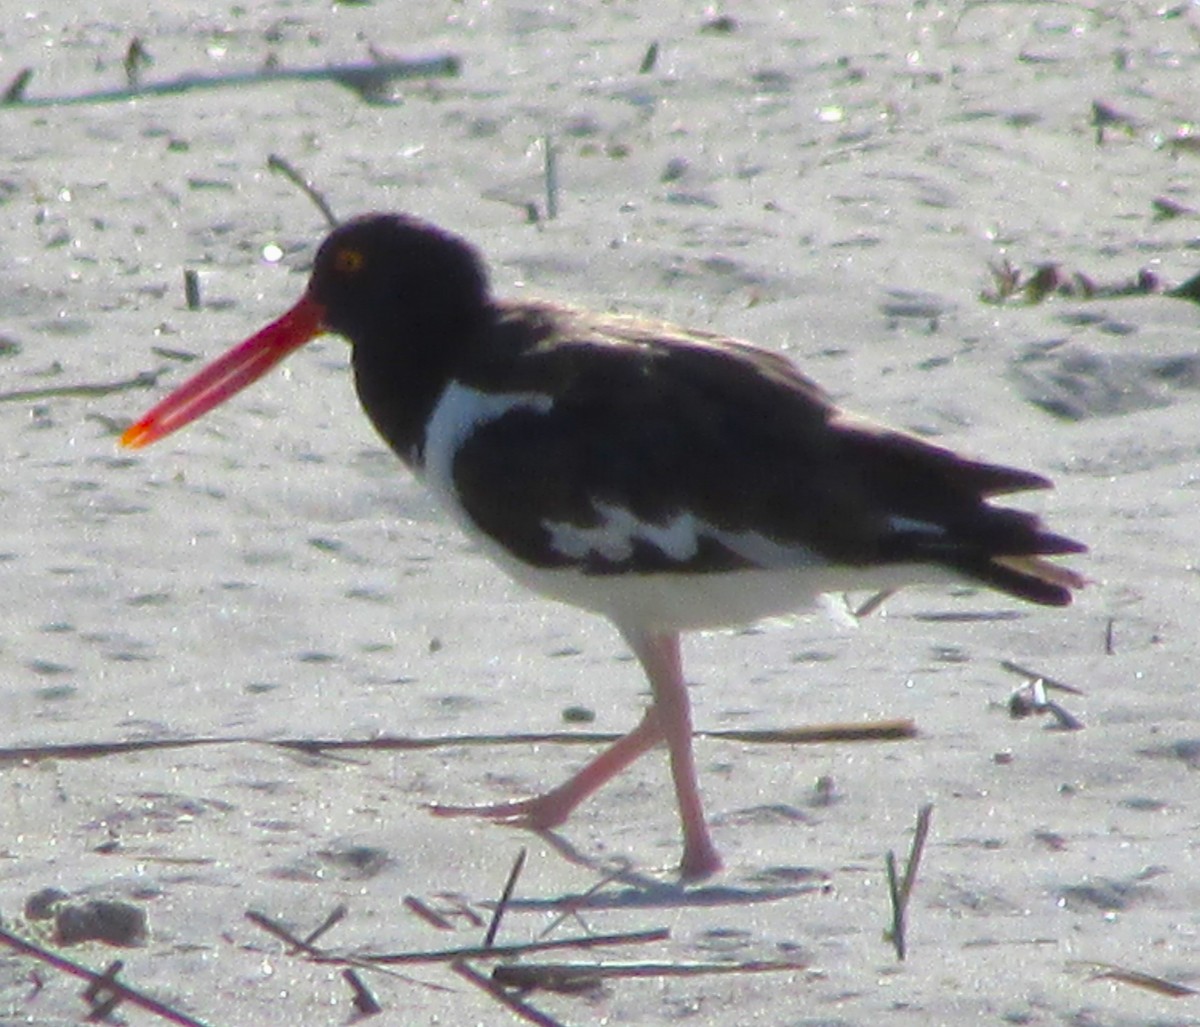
x=659, y=450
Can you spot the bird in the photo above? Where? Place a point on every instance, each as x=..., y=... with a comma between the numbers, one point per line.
x=667, y=479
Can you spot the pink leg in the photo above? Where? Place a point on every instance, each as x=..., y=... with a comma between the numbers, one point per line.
x=669, y=719
x=659, y=655
x=553, y=807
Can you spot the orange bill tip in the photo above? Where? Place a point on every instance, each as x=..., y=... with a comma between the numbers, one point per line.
x=137, y=435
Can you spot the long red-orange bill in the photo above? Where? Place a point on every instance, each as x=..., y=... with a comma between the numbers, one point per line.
x=228, y=374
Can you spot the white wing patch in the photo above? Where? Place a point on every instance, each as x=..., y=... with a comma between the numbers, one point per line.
x=679, y=539
x=613, y=538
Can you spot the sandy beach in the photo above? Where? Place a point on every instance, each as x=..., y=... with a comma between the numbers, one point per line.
x=832, y=182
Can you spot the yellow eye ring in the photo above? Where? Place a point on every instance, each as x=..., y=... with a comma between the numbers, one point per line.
x=349, y=261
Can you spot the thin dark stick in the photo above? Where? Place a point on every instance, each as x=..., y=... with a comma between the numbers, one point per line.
x=510, y=1002
x=896, y=932
x=430, y=916
x=493, y=928
x=277, y=930
x=924, y=815
x=879, y=731
x=191, y=288
x=101, y=998
x=1139, y=979
x=1109, y=643
x=285, y=168
x=900, y=890
x=1032, y=675
x=126, y=993
x=100, y=984
x=14, y=92
x=136, y=58
x=336, y=916
x=145, y=380
x=364, y=1002
x=367, y=79
x=874, y=603
x=551, y=172
x=499, y=951
x=574, y=976
x=885, y=730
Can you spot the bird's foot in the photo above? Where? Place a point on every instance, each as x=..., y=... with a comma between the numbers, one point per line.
x=538, y=814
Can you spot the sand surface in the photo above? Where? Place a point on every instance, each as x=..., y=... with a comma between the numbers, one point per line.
x=831, y=181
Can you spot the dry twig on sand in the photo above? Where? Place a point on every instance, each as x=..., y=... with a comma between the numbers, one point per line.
x=1112, y=972
x=576, y=977
x=871, y=731
x=900, y=890
x=285, y=167
x=493, y=929
x=84, y=390
x=372, y=81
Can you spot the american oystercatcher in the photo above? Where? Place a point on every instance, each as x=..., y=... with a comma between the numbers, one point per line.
x=667, y=479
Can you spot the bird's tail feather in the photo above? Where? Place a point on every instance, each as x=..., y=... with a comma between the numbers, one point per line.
x=1034, y=578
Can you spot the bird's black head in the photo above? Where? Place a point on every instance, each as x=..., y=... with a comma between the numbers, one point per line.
x=387, y=280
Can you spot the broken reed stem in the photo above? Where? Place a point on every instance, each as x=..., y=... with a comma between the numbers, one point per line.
x=574, y=976
x=874, y=603
x=101, y=997
x=550, y=153
x=369, y=80
x=191, y=288
x=365, y=1003
x=924, y=815
x=510, y=1002
x=137, y=57
x=336, y=916
x=100, y=982
x=1137, y=978
x=878, y=731
x=499, y=951
x=298, y=945
x=884, y=730
x=309, y=942
x=15, y=90
x=900, y=889
x=896, y=932
x=489, y=937
x=431, y=916
x=144, y=380
x=284, y=167
x=283, y=934
x=1033, y=675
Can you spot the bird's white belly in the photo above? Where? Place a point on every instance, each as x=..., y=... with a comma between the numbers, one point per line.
x=672, y=601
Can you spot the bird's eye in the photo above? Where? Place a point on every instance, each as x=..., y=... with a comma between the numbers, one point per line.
x=349, y=261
